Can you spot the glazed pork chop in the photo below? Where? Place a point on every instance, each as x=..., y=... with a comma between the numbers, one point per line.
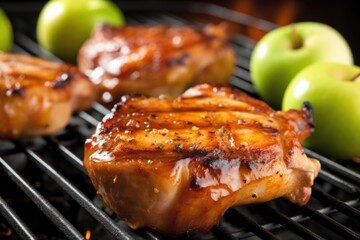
x=37, y=97
x=154, y=60
x=179, y=164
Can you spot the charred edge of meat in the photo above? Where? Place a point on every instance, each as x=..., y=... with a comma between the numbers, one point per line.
x=253, y=164
x=18, y=90
x=195, y=153
x=270, y=130
x=179, y=60
x=194, y=184
x=179, y=148
x=63, y=80
x=129, y=97
x=309, y=111
x=209, y=163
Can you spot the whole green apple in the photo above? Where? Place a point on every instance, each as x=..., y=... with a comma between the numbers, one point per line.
x=333, y=90
x=64, y=25
x=284, y=51
x=6, y=34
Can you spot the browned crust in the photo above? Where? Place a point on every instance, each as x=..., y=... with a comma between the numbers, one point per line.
x=154, y=60
x=189, y=159
x=37, y=97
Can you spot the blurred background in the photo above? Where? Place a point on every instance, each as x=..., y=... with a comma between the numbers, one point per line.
x=342, y=15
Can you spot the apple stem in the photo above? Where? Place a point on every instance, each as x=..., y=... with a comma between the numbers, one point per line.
x=295, y=38
x=356, y=77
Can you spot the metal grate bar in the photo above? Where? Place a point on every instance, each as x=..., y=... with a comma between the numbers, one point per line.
x=88, y=118
x=33, y=47
x=172, y=19
x=14, y=220
x=100, y=108
x=303, y=218
x=66, y=153
x=79, y=197
x=222, y=233
x=242, y=51
x=231, y=15
x=332, y=225
x=341, y=206
x=241, y=73
x=252, y=225
x=338, y=182
x=242, y=63
x=60, y=221
x=244, y=41
x=291, y=224
x=152, y=235
x=243, y=85
x=325, y=162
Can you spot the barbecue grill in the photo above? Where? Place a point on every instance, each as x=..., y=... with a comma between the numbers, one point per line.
x=46, y=194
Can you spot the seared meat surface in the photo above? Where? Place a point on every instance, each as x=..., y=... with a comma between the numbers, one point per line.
x=154, y=60
x=37, y=97
x=179, y=164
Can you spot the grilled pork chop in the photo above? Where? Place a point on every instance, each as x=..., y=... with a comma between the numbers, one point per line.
x=37, y=97
x=154, y=60
x=179, y=164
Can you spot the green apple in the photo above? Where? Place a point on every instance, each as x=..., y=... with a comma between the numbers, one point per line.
x=64, y=25
x=333, y=90
x=6, y=34
x=284, y=51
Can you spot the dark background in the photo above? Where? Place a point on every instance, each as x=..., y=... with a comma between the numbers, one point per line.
x=343, y=15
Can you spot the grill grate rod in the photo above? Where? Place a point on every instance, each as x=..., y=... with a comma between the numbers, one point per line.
x=79, y=197
x=335, y=166
x=332, y=225
x=20, y=227
x=51, y=212
x=252, y=225
x=66, y=153
x=100, y=108
x=88, y=118
x=222, y=233
x=231, y=15
x=340, y=183
x=339, y=205
x=290, y=223
x=150, y=234
x=21, y=40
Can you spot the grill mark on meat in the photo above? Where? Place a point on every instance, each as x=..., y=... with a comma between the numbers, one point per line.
x=177, y=120
x=194, y=183
x=18, y=90
x=209, y=162
x=165, y=59
x=35, y=100
x=238, y=160
x=62, y=80
x=179, y=60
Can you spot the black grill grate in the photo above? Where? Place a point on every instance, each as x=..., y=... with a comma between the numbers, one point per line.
x=46, y=194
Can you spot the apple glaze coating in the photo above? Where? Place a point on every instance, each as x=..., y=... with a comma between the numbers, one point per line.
x=179, y=164
x=154, y=60
x=37, y=97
